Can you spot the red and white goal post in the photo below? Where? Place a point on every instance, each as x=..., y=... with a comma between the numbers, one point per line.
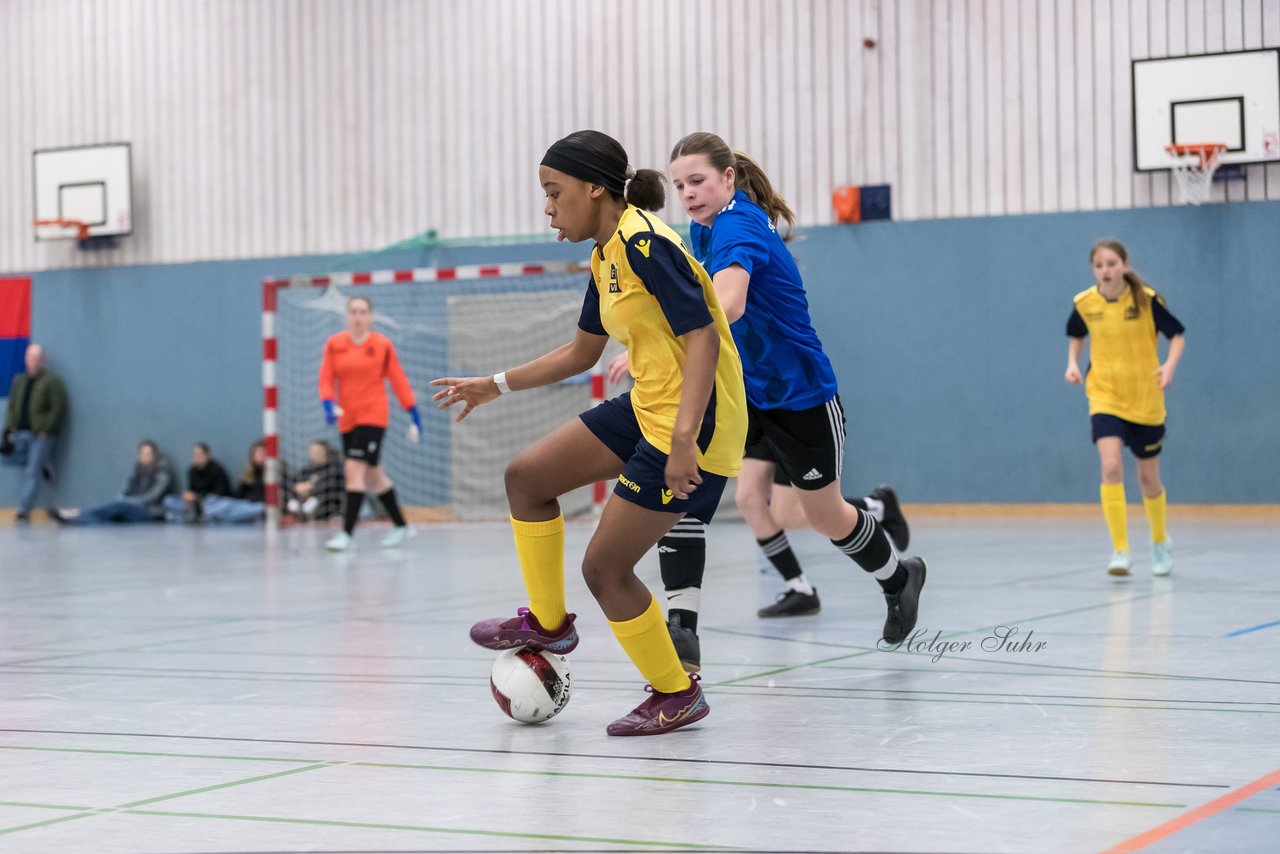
x=444, y=321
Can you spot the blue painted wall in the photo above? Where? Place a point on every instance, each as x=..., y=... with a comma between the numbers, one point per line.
x=947, y=337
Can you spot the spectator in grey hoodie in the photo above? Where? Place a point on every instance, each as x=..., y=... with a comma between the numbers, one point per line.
x=143, y=497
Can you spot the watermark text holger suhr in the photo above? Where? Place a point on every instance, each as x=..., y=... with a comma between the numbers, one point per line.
x=1002, y=639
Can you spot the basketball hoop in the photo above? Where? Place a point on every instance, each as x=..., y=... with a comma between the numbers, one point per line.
x=1193, y=166
x=81, y=228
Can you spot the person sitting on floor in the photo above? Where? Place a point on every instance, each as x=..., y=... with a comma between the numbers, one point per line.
x=205, y=477
x=317, y=491
x=247, y=502
x=141, y=500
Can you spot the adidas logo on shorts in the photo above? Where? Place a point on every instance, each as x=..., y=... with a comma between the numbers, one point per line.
x=813, y=474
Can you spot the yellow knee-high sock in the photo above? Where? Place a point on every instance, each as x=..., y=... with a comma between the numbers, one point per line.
x=648, y=643
x=1117, y=515
x=540, y=548
x=1156, y=509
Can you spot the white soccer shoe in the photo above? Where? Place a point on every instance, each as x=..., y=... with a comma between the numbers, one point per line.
x=1161, y=558
x=340, y=542
x=1120, y=563
x=397, y=537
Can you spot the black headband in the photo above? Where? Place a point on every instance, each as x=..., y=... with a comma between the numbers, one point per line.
x=576, y=160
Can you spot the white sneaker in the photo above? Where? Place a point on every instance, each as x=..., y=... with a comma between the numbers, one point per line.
x=1161, y=558
x=340, y=542
x=1120, y=563
x=397, y=537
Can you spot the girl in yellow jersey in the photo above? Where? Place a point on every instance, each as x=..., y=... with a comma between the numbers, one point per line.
x=671, y=442
x=1125, y=385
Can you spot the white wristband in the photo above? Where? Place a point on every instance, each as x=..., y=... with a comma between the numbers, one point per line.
x=500, y=380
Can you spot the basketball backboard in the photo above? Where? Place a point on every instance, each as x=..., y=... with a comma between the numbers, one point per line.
x=1232, y=98
x=90, y=183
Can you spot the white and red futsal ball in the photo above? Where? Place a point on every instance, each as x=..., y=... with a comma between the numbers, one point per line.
x=531, y=686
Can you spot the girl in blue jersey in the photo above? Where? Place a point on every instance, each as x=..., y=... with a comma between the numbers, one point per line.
x=671, y=443
x=795, y=420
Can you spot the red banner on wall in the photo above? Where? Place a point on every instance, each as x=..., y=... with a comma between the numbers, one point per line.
x=15, y=329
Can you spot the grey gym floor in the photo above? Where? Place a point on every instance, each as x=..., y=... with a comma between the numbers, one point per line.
x=228, y=690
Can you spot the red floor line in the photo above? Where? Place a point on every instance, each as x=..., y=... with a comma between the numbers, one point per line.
x=1200, y=813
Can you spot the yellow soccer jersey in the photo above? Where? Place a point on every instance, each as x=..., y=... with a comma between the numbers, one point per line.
x=1123, y=358
x=647, y=291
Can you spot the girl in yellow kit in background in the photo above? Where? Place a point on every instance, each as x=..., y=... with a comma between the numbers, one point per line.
x=1125, y=385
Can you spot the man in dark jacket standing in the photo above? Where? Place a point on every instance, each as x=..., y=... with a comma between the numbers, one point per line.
x=36, y=414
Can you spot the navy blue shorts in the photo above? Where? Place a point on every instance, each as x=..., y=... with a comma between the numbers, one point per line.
x=1144, y=440
x=643, y=481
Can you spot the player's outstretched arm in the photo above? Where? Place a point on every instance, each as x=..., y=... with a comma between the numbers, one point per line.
x=573, y=358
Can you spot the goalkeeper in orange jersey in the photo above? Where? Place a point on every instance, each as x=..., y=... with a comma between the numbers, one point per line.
x=357, y=363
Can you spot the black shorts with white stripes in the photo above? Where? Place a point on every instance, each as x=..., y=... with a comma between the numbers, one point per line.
x=807, y=445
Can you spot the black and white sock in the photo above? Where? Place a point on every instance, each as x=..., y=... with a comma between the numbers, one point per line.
x=874, y=506
x=870, y=548
x=682, y=556
x=778, y=550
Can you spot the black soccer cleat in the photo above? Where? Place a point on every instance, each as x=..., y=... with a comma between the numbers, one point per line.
x=793, y=604
x=904, y=606
x=687, y=645
x=894, y=524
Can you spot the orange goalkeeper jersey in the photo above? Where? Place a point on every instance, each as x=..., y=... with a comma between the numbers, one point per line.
x=360, y=371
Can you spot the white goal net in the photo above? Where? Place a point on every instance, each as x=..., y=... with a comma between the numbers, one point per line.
x=463, y=321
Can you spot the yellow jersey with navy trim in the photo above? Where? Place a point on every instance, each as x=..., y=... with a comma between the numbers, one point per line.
x=646, y=292
x=1121, y=378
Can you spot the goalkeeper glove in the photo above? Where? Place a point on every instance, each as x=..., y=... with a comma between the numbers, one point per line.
x=415, y=429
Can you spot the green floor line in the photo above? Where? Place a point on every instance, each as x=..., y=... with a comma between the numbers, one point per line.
x=1082, y=672
x=943, y=696
x=434, y=658
x=1150, y=594
x=957, y=634
x=571, y=774
x=644, y=778
x=281, y=676
x=43, y=806
x=1255, y=809
x=788, y=669
x=1010, y=702
x=458, y=682
x=220, y=786
x=163, y=754
x=466, y=831
x=45, y=823
x=1094, y=670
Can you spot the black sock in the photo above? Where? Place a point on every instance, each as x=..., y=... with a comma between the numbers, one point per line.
x=351, y=511
x=778, y=550
x=389, y=503
x=682, y=556
x=869, y=547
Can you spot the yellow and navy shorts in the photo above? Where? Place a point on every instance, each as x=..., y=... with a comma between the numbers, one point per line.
x=643, y=480
x=1144, y=440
